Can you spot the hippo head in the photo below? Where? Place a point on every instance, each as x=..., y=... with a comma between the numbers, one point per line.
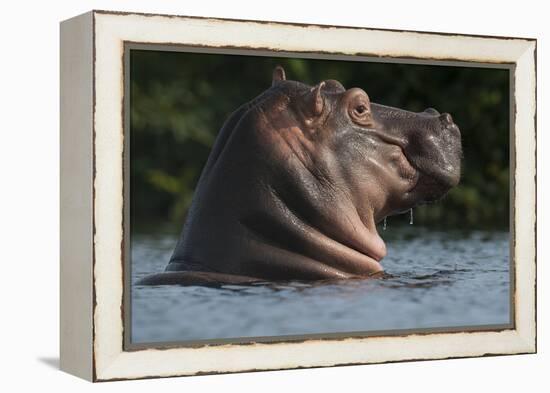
x=387, y=160
x=299, y=177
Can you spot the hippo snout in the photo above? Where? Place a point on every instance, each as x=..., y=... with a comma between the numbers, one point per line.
x=432, y=144
x=437, y=152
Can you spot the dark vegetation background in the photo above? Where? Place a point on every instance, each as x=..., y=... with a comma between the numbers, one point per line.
x=179, y=101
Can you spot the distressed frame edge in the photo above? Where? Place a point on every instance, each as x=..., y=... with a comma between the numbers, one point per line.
x=525, y=179
x=526, y=339
x=304, y=24
x=76, y=196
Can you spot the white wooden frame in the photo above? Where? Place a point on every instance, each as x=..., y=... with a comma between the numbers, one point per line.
x=92, y=194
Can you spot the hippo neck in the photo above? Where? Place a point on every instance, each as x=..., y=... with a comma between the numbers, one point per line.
x=333, y=239
x=296, y=221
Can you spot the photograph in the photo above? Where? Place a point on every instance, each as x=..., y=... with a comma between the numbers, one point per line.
x=274, y=197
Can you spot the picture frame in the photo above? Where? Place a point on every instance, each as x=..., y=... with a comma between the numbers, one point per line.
x=94, y=191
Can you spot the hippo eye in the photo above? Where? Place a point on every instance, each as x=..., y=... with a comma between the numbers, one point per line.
x=358, y=107
x=361, y=109
x=361, y=115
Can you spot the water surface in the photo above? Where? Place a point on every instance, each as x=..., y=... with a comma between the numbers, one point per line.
x=439, y=279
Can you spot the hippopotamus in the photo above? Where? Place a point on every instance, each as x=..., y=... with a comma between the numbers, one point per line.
x=299, y=177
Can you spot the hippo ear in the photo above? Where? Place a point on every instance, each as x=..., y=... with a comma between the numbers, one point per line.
x=313, y=101
x=278, y=75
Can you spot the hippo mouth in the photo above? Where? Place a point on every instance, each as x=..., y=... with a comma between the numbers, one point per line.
x=430, y=188
x=404, y=165
x=402, y=160
x=428, y=183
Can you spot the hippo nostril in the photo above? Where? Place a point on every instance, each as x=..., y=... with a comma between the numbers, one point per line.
x=431, y=111
x=446, y=118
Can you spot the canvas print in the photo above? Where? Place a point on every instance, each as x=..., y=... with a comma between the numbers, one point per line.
x=277, y=198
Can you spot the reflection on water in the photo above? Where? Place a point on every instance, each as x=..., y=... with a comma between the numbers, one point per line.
x=435, y=279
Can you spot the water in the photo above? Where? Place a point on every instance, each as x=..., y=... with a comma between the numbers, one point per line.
x=440, y=279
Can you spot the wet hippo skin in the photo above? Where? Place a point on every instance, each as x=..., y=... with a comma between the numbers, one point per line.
x=297, y=180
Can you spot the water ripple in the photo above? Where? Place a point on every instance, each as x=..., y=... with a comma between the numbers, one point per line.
x=433, y=279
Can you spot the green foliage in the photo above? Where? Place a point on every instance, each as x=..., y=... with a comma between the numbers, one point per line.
x=179, y=102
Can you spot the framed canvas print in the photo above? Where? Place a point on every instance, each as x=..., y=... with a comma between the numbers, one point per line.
x=245, y=195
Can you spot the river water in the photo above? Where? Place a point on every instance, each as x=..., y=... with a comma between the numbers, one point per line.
x=438, y=279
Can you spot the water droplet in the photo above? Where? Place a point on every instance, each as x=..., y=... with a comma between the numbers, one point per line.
x=411, y=221
x=385, y=223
